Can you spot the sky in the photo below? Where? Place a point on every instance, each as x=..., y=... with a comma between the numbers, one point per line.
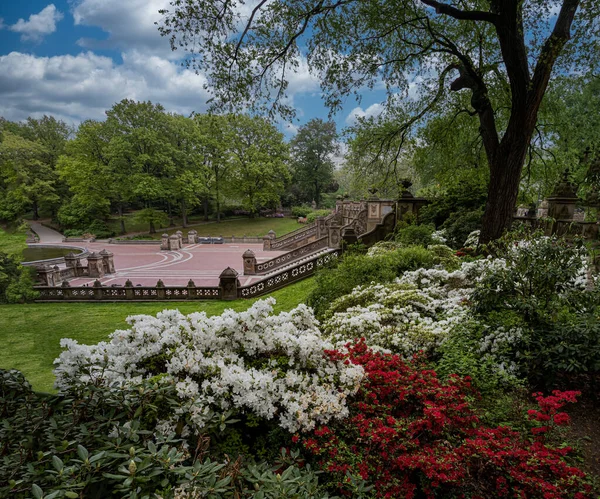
x=74, y=59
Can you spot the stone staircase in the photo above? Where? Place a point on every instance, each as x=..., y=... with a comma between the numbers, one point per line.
x=298, y=262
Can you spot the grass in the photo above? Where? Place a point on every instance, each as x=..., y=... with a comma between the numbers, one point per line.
x=30, y=334
x=12, y=243
x=253, y=227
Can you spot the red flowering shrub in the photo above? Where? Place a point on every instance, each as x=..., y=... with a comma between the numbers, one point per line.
x=412, y=434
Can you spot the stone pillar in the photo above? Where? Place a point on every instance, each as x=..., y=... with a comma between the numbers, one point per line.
x=191, y=289
x=95, y=265
x=164, y=242
x=228, y=284
x=108, y=261
x=542, y=211
x=46, y=275
x=97, y=289
x=160, y=290
x=179, y=234
x=129, y=292
x=66, y=288
x=174, y=242
x=79, y=269
x=334, y=236
x=71, y=260
x=192, y=236
x=266, y=243
x=249, y=262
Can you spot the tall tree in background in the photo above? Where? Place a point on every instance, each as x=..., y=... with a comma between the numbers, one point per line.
x=27, y=181
x=312, y=149
x=480, y=43
x=259, y=162
x=214, y=145
x=140, y=146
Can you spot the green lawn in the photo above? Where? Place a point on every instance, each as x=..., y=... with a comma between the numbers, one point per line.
x=253, y=227
x=30, y=334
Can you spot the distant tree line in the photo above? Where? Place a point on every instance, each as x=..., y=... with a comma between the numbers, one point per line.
x=161, y=164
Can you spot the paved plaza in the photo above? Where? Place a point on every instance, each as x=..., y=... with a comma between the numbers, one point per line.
x=145, y=264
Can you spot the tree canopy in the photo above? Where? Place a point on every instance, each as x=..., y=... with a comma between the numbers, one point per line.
x=488, y=47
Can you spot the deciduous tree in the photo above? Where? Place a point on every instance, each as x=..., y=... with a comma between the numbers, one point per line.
x=350, y=44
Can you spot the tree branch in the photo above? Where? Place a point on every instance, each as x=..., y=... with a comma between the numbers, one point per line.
x=463, y=15
x=551, y=50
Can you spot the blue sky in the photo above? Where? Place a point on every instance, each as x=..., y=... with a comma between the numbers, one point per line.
x=75, y=58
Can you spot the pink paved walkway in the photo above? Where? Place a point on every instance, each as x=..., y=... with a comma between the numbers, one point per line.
x=145, y=264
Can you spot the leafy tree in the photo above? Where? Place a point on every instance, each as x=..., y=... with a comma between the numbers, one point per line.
x=214, y=151
x=93, y=183
x=312, y=149
x=510, y=44
x=189, y=181
x=140, y=147
x=259, y=156
x=26, y=180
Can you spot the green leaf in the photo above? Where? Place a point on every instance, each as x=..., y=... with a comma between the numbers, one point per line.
x=37, y=492
x=82, y=452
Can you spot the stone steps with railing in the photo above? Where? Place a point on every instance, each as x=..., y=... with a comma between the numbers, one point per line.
x=295, y=263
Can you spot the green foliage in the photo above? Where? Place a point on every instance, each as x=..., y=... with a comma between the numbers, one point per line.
x=358, y=269
x=460, y=224
x=96, y=443
x=312, y=166
x=313, y=215
x=301, y=211
x=415, y=235
x=16, y=281
x=539, y=301
x=100, y=229
x=153, y=218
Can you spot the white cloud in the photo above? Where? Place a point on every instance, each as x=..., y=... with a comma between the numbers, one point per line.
x=74, y=88
x=129, y=24
x=38, y=25
x=358, y=112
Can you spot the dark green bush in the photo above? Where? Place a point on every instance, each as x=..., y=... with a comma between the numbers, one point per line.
x=104, y=442
x=73, y=233
x=16, y=281
x=100, y=229
x=460, y=224
x=358, y=269
x=415, y=235
x=301, y=211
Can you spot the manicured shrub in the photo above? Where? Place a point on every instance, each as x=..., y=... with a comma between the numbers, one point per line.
x=107, y=441
x=252, y=362
x=415, y=235
x=411, y=435
x=358, y=269
x=301, y=211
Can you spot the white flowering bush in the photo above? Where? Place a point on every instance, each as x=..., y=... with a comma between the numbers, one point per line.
x=417, y=312
x=272, y=366
x=383, y=247
x=472, y=239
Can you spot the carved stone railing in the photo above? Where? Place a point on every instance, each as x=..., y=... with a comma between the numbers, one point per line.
x=127, y=293
x=296, y=238
x=288, y=276
x=290, y=256
x=229, y=287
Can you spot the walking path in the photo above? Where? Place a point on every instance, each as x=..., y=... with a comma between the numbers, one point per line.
x=46, y=235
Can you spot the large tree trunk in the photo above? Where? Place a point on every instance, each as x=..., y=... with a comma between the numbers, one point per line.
x=184, y=213
x=36, y=214
x=121, y=218
x=205, y=206
x=505, y=176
